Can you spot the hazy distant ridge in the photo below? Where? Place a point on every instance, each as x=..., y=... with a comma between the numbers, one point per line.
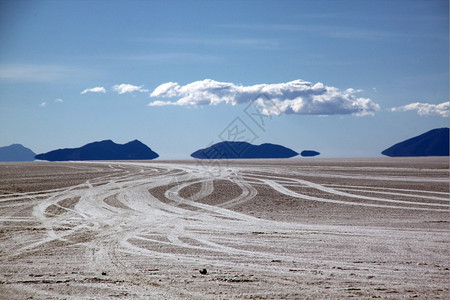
x=16, y=152
x=103, y=150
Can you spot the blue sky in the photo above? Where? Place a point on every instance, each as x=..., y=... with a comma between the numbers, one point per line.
x=345, y=78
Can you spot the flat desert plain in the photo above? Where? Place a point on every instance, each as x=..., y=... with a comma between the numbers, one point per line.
x=262, y=229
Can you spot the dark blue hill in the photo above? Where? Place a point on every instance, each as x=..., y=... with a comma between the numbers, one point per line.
x=103, y=150
x=231, y=150
x=307, y=153
x=432, y=143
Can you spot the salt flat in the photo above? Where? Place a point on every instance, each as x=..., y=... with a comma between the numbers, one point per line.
x=276, y=229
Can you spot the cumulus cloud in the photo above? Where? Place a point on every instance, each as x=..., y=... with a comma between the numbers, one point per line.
x=59, y=100
x=97, y=89
x=295, y=97
x=128, y=88
x=426, y=109
x=43, y=104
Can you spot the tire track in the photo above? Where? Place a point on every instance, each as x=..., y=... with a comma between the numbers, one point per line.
x=281, y=189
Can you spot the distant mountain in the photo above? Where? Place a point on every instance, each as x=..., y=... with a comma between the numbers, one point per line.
x=432, y=143
x=307, y=153
x=104, y=150
x=230, y=150
x=16, y=152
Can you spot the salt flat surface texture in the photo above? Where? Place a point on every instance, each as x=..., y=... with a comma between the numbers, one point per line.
x=277, y=229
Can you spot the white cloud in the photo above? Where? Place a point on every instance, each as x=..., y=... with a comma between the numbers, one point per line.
x=338, y=32
x=43, y=73
x=263, y=44
x=43, y=104
x=128, y=88
x=35, y=73
x=426, y=109
x=172, y=58
x=296, y=97
x=59, y=100
x=98, y=89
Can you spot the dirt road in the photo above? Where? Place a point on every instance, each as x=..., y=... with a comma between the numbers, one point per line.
x=263, y=229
